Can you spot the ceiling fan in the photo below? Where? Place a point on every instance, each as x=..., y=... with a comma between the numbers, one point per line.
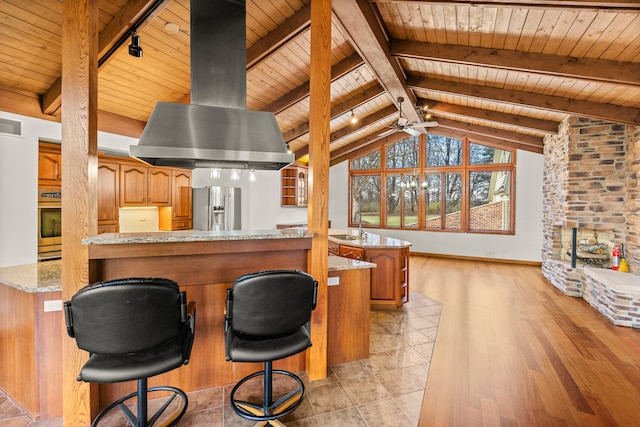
x=403, y=124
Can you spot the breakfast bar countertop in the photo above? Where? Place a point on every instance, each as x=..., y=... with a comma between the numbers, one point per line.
x=44, y=276
x=195, y=236
x=369, y=240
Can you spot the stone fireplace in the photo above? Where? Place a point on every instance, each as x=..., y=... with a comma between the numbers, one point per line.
x=591, y=185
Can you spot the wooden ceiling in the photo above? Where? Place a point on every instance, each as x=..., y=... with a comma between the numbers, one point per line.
x=504, y=72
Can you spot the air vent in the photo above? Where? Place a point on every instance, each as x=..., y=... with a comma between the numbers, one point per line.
x=10, y=127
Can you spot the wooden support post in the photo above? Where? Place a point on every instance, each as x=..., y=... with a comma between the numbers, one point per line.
x=319, y=131
x=79, y=185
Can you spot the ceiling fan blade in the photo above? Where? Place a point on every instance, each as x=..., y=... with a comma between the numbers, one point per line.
x=388, y=132
x=410, y=131
x=425, y=125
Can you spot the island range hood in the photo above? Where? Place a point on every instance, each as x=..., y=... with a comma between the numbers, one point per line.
x=215, y=130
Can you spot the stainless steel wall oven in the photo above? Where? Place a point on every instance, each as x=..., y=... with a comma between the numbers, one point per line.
x=49, y=223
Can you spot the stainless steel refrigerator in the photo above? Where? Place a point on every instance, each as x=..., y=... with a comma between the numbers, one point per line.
x=216, y=208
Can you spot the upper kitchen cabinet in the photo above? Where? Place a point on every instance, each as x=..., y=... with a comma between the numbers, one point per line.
x=49, y=165
x=144, y=186
x=294, y=186
x=108, y=196
x=179, y=216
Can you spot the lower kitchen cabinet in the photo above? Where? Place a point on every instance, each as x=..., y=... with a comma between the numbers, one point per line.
x=390, y=279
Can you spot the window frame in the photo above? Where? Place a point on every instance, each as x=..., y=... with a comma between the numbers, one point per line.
x=466, y=168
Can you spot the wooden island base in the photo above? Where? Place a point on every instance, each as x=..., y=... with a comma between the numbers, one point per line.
x=204, y=270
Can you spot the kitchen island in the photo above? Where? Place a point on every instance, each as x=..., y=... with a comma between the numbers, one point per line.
x=204, y=264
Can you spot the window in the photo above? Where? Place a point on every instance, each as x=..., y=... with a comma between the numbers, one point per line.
x=434, y=183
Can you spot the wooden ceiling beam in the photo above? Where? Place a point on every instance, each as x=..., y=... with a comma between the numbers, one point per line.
x=505, y=135
x=616, y=6
x=130, y=13
x=567, y=66
x=600, y=111
x=528, y=123
x=348, y=105
x=282, y=34
x=298, y=94
x=495, y=142
x=364, y=146
x=450, y=129
x=359, y=21
x=351, y=128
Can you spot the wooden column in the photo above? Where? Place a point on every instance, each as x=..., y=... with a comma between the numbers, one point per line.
x=319, y=117
x=79, y=185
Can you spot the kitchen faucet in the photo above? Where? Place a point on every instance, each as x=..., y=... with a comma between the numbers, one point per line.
x=361, y=231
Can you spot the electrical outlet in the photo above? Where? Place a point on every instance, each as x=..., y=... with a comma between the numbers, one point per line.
x=53, y=305
x=333, y=281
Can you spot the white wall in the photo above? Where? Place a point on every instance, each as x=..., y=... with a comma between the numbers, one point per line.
x=19, y=185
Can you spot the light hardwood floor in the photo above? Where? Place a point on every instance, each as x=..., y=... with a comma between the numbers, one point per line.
x=512, y=350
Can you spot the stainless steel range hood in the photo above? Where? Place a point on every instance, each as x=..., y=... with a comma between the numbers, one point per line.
x=215, y=130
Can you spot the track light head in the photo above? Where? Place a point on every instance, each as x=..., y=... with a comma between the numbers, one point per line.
x=134, y=47
x=354, y=118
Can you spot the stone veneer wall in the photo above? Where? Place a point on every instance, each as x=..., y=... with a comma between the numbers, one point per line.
x=632, y=203
x=590, y=181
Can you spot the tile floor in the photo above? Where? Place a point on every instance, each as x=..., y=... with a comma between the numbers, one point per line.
x=384, y=390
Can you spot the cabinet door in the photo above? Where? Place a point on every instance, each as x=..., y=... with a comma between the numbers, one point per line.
x=49, y=168
x=133, y=185
x=159, y=187
x=108, y=188
x=384, y=278
x=181, y=197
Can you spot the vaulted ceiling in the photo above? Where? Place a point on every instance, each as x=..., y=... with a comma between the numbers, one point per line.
x=497, y=71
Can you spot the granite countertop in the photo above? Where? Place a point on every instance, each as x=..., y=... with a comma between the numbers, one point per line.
x=338, y=263
x=369, y=240
x=195, y=236
x=45, y=276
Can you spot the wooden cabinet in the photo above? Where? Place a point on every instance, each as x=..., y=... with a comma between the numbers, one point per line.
x=293, y=186
x=49, y=165
x=144, y=186
x=179, y=216
x=108, y=196
x=390, y=278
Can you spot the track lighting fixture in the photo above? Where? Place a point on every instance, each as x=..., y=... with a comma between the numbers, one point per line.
x=354, y=118
x=134, y=47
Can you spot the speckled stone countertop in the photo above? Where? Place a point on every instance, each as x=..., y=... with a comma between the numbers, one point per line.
x=338, y=263
x=369, y=240
x=195, y=236
x=45, y=276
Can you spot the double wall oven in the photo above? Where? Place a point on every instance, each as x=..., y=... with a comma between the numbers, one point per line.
x=49, y=223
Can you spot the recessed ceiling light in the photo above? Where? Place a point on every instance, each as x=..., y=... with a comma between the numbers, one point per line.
x=171, y=28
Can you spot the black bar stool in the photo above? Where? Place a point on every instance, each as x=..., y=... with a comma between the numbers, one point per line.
x=268, y=318
x=134, y=329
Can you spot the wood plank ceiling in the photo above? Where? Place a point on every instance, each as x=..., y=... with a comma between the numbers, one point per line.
x=496, y=71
